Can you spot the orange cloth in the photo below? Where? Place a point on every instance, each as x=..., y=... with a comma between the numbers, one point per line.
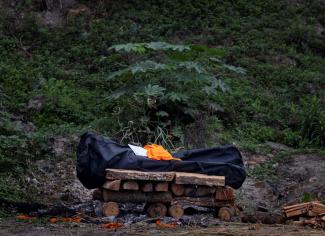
x=158, y=153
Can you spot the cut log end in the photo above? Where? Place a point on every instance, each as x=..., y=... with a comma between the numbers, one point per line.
x=147, y=187
x=176, y=211
x=178, y=189
x=111, y=209
x=112, y=185
x=225, y=194
x=161, y=187
x=157, y=210
x=225, y=213
x=130, y=185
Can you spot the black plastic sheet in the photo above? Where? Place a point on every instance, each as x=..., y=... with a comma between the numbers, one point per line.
x=96, y=153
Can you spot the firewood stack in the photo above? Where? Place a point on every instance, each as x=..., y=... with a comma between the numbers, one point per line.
x=166, y=192
x=308, y=213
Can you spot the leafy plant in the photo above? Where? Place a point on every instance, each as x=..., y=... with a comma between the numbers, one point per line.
x=312, y=120
x=168, y=84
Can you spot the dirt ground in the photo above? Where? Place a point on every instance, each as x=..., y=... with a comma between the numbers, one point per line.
x=12, y=227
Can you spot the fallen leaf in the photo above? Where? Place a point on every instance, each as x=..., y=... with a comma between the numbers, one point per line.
x=53, y=220
x=71, y=219
x=114, y=225
x=162, y=225
x=25, y=217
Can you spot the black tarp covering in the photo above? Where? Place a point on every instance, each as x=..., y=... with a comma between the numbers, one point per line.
x=96, y=153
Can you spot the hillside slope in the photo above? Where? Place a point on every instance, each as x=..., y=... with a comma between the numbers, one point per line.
x=55, y=58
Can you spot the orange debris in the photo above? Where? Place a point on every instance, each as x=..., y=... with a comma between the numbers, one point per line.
x=162, y=225
x=114, y=225
x=71, y=219
x=25, y=217
x=53, y=220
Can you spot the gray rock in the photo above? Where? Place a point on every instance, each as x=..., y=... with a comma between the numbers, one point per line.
x=277, y=146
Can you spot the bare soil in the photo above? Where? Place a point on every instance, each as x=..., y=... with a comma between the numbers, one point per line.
x=12, y=227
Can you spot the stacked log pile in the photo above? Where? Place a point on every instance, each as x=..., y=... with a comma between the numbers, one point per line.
x=308, y=213
x=166, y=192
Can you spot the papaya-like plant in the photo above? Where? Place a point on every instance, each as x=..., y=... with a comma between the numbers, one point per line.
x=167, y=85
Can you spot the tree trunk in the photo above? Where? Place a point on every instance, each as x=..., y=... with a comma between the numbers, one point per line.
x=137, y=196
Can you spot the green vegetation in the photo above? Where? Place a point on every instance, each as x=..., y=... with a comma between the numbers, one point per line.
x=162, y=71
x=163, y=92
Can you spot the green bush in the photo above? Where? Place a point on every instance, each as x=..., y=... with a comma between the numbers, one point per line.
x=312, y=120
x=168, y=85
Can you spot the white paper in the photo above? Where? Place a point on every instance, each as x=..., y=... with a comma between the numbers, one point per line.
x=139, y=151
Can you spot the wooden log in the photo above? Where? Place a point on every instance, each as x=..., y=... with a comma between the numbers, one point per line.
x=147, y=187
x=112, y=174
x=300, y=205
x=112, y=185
x=318, y=208
x=225, y=194
x=311, y=221
x=176, y=211
x=157, y=210
x=311, y=213
x=130, y=185
x=225, y=213
x=137, y=196
x=198, y=191
x=98, y=194
x=161, y=187
x=177, y=189
x=307, y=207
x=111, y=209
x=199, y=179
x=202, y=201
x=297, y=212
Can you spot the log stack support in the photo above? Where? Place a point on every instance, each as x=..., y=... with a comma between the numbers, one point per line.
x=166, y=192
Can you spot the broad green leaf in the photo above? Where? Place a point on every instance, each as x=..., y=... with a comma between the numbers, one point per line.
x=162, y=114
x=154, y=90
x=177, y=97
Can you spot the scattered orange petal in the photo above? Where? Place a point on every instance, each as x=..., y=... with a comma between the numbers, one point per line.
x=53, y=220
x=71, y=219
x=114, y=225
x=160, y=224
x=24, y=217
